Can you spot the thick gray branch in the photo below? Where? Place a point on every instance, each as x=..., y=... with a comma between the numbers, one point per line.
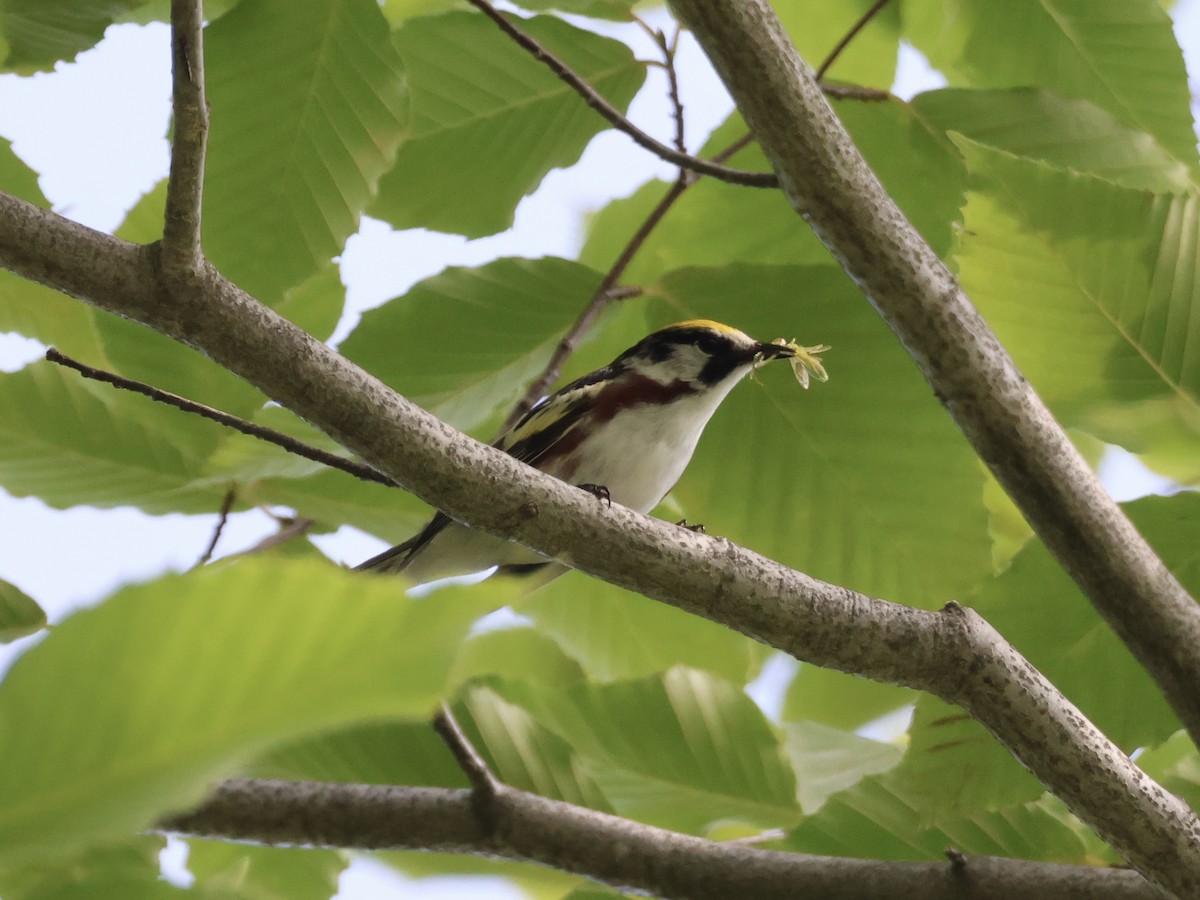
x=181, y=225
x=828, y=182
x=953, y=654
x=616, y=851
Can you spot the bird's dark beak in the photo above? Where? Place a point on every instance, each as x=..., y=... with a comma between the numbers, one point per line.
x=774, y=351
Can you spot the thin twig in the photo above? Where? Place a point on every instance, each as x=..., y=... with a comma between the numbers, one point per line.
x=288, y=443
x=486, y=788
x=736, y=147
x=289, y=527
x=613, y=115
x=668, y=49
x=848, y=37
x=222, y=518
x=474, y=766
x=855, y=92
x=181, y=224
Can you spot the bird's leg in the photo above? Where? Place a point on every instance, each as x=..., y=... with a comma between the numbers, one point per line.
x=599, y=491
x=698, y=528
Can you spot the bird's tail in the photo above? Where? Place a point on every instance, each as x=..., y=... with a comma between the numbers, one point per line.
x=395, y=559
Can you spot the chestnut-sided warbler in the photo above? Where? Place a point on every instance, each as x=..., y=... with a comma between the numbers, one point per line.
x=626, y=432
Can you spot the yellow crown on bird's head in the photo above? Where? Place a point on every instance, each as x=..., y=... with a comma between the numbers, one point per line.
x=704, y=323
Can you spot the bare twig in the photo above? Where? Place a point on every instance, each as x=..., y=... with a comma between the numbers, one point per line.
x=181, y=251
x=854, y=92
x=290, y=527
x=468, y=758
x=668, y=51
x=613, y=115
x=222, y=518
x=486, y=787
x=613, y=850
x=848, y=37
x=288, y=443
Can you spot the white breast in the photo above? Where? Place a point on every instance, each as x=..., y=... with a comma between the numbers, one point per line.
x=640, y=453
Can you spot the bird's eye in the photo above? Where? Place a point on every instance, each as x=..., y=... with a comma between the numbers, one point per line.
x=708, y=343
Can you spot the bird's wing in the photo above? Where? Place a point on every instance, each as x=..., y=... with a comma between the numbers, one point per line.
x=548, y=425
x=530, y=440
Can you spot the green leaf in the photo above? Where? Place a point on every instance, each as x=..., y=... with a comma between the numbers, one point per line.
x=515, y=654
x=862, y=482
x=757, y=226
x=1121, y=56
x=1175, y=765
x=702, y=753
x=20, y=614
x=839, y=700
x=466, y=342
x=334, y=499
x=617, y=10
x=284, y=191
x=523, y=752
x=40, y=34
x=171, y=684
x=869, y=60
x=616, y=634
x=1091, y=285
x=1064, y=132
x=42, y=313
x=878, y=818
x=265, y=873
x=489, y=121
x=828, y=761
x=953, y=766
x=918, y=169
x=117, y=870
x=1163, y=432
x=18, y=178
x=373, y=753
x=143, y=222
x=72, y=443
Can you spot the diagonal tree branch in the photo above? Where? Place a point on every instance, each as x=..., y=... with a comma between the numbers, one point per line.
x=181, y=226
x=827, y=180
x=849, y=36
x=954, y=654
x=613, y=115
x=617, y=851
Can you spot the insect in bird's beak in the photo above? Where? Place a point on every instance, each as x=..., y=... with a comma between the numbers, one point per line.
x=803, y=359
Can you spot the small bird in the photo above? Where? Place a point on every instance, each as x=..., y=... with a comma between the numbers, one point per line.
x=625, y=432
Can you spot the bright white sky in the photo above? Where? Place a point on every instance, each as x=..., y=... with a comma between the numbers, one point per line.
x=95, y=131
